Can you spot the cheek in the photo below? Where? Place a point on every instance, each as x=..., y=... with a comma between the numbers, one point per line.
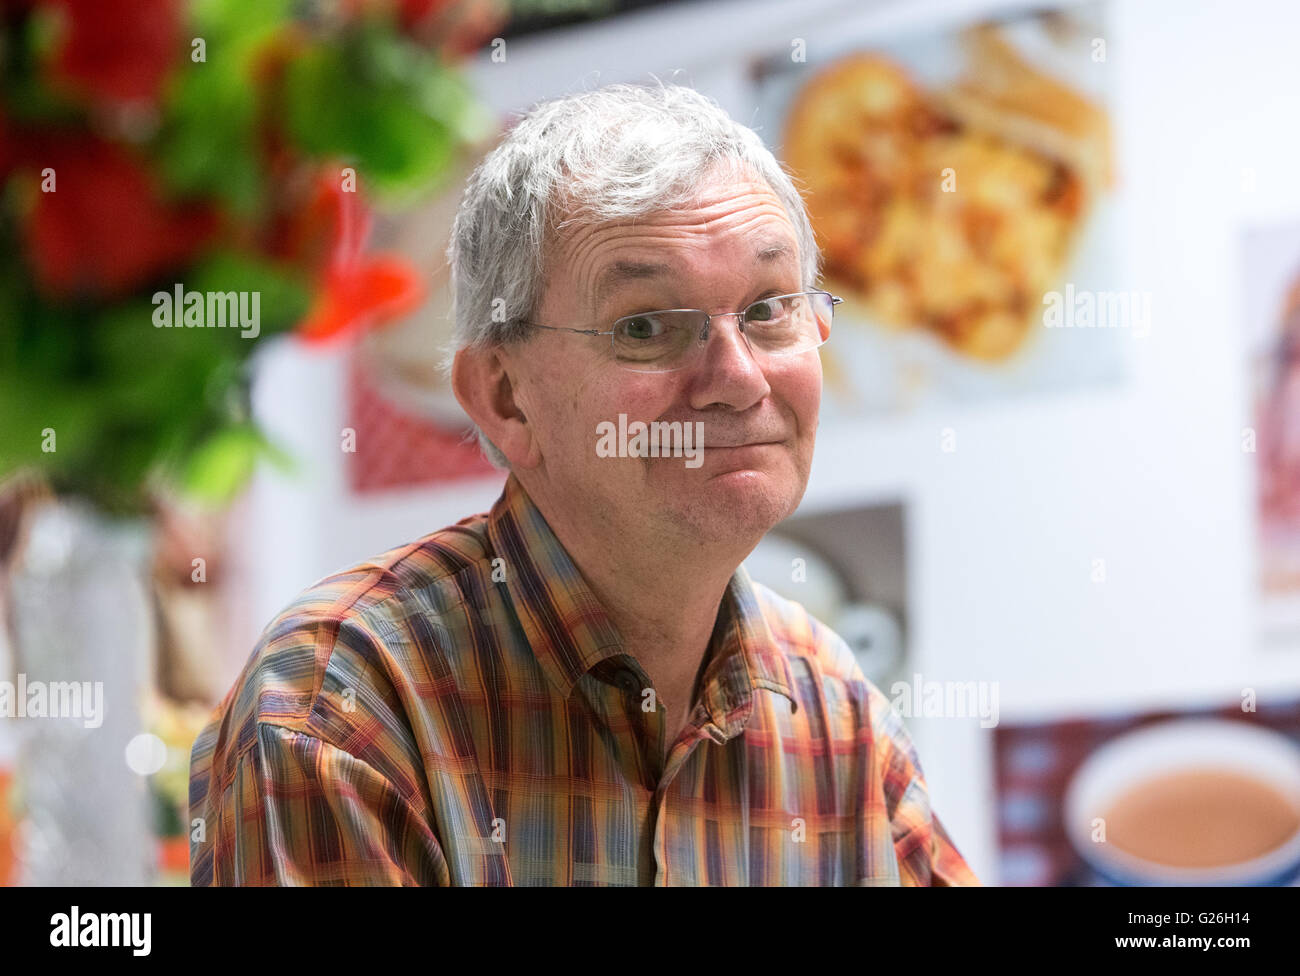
x=565, y=400
x=641, y=396
x=644, y=397
x=552, y=399
x=800, y=389
x=603, y=396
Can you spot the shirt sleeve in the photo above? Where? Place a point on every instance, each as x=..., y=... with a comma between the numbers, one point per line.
x=926, y=854
x=948, y=869
x=298, y=811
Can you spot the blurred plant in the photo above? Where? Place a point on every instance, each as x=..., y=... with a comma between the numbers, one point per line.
x=177, y=725
x=214, y=146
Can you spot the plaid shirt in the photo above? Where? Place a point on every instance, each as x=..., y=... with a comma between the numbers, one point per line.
x=459, y=711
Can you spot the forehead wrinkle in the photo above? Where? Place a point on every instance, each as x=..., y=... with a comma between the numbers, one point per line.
x=621, y=271
x=585, y=240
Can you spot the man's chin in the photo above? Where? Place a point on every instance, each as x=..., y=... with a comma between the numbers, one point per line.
x=738, y=503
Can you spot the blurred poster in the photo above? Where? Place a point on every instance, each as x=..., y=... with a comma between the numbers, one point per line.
x=959, y=184
x=410, y=431
x=1272, y=298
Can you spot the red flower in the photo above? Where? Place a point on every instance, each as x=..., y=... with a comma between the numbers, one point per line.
x=104, y=230
x=357, y=291
x=304, y=222
x=118, y=49
x=465, y=27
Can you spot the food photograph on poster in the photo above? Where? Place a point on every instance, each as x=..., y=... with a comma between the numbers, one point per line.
x=960, y=185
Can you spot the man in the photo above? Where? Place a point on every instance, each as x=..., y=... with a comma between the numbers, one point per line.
x=583, y=686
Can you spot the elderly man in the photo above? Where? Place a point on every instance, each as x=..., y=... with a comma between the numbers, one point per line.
x=583, y=686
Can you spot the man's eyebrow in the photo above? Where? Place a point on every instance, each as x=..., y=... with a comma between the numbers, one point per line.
x=774, y=251
x=622, y=271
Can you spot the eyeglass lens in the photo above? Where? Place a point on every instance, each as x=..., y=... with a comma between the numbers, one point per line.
x=780, y=326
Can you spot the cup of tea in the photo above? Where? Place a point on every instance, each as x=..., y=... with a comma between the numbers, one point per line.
x=1189, y=802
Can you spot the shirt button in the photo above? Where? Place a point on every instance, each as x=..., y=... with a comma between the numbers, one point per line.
x=627, y=681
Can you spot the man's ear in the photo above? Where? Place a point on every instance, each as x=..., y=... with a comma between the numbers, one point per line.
x=481, y=378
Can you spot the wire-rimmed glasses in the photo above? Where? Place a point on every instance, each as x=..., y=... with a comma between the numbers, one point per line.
x=673, y=339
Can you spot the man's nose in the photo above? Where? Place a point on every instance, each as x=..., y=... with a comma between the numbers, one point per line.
x=728, y=371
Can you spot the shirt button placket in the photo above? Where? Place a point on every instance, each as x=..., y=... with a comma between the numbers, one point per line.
x=648, y=741
x=657, y=806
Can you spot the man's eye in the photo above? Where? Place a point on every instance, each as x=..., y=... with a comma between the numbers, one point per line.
x=766, y=310
x=641, y=327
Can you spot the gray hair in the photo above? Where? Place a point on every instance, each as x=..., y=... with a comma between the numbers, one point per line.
x=618, y=152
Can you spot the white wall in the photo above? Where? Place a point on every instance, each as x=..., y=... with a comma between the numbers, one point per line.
x=1003, y=532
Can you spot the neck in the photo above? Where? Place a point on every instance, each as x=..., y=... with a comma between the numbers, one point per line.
x=661, y=591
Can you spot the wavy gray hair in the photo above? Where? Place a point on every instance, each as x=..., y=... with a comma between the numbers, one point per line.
x=614, y=153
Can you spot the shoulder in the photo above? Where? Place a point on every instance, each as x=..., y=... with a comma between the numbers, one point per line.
x=808, y=643
x=343, y=624
x=328, y=665
x=823, y=661
x=829, y=683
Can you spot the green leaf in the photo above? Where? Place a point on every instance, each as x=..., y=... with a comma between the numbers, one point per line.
x=209, y=144
x=222, y=465
x=283, y=293
x=341, y=102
